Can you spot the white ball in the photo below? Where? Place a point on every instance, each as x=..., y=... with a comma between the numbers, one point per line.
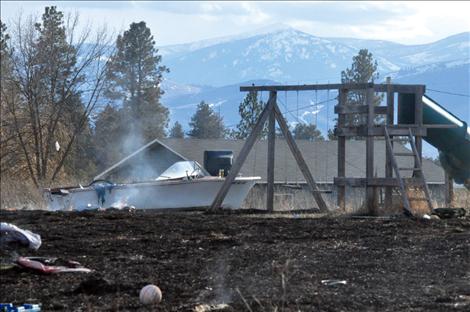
x=150, y=294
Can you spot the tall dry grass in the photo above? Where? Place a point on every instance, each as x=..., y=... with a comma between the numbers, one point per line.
x=461, y=198
x=16, y=194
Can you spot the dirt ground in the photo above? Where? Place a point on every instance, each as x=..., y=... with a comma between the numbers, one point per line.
x=249, y=262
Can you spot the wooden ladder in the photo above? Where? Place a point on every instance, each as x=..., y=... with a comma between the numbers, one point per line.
x=417, y=172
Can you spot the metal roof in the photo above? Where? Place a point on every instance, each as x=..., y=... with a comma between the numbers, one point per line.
x=320, y=156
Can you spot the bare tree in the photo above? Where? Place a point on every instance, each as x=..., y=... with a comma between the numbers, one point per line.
x=57, y=77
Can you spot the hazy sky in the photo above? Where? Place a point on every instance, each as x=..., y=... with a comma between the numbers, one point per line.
x=180, y=22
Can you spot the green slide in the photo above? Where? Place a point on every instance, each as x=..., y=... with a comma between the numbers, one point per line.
x=453, y=143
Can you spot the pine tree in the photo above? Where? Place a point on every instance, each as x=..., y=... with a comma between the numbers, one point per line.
x=303, y=131
x=205, y=124
x=108, y=130
x=250, y=110
x=135, y=75
x=363, y=70
x=176, y=131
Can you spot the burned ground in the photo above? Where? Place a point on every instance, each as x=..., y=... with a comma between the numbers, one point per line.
x=247, y=261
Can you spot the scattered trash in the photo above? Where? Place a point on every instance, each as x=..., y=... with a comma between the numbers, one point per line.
x=45, y=260
x=333, y=282
x=10, y=233
x=150, y=294
x=426, y=217
x=9, y=307
x=6, y=266
x=211, y=307
x=38, y=266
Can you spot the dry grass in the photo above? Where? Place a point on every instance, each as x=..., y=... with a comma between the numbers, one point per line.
x=418, y=203
x=462, y=198
x=19, y=195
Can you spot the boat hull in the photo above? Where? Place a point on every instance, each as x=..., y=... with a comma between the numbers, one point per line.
x=195, y=193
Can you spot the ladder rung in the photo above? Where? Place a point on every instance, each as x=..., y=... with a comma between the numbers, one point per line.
x=410, y=169
x=404, y=154
x=399, y=140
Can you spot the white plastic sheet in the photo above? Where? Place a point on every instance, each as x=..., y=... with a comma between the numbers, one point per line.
x=11, y=233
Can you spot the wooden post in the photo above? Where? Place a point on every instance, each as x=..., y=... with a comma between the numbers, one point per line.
x=419, y=122
x=300, y=160
x=271, y=152
x=343, y=95
x=388, y=157
x=449, y=196
x=219, y=198
x=370, y=199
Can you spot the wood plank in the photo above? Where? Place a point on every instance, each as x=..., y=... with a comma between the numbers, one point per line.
x=359, y=109
x=378, y=182
x=388, y=162
x=300, y=160
x=271, y=153
x=352, y=86
x=413, y=126
x=219, y=198
x=378, y=131
x=449, y=196
x=419, y=121
x=370, y=195
x=440, y=126
x=343, y=95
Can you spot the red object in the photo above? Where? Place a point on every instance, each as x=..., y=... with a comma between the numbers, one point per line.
x=46, y=269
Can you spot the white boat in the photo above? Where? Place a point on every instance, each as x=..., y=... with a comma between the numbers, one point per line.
x=185, y=184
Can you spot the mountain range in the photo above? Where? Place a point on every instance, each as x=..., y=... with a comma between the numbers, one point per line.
x=212, y=70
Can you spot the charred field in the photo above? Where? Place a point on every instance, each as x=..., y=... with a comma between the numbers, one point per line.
x=249, y=262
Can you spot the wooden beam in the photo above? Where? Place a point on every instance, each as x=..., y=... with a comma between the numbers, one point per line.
x=360, y=109
x=370, y=199
x=440, y=126
x=378, y=182
x=300, y=160
x=378, y=131
x=419, y=122
x=449, y=196
x=388, y=161
x=219, y=198
x=337, y=86
x=271, y=153
x=343, y=95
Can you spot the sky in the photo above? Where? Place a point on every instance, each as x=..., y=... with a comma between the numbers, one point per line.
x=187, y=21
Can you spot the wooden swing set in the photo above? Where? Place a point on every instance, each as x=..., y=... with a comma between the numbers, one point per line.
x=388, y=131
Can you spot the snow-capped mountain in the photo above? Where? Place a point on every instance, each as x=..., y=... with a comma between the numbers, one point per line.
x=213, y=70
x=283, y=55
x=291, y=56
x=453, y=48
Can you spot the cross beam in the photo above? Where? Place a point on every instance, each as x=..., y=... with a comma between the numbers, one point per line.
x=339, y=86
